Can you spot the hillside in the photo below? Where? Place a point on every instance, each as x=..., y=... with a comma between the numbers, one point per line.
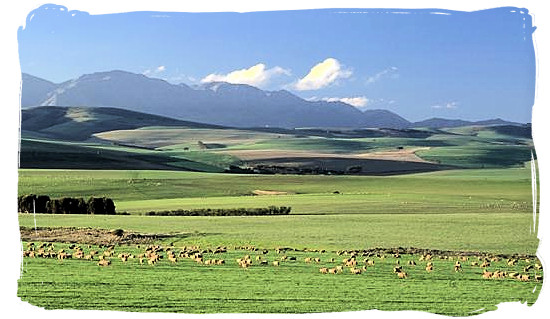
x=80, y=123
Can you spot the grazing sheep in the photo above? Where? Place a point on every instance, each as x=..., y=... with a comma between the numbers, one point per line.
x=276, y=263
x=402, y=275
x=104, y=262
x=458, y=266
x=355, y=271
x=332, y=271
x=487, y=274
x=474, y=264
x=412, y=263
x=220, y=262
x=429, y=268
x=538, y=277
x=513, y=275
x=397, y=269
x=526, y=269
x=370, y=262
x=172, y=258
x=339, y=268
x=307, y=259
x=317, y=260
x=524, y=277
x=485, y=264
x=323, y=270
x=538, y=266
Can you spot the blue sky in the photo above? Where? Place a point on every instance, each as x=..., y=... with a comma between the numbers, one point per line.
x=469, y=65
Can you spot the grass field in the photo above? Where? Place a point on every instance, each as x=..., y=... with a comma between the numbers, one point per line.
x=485, y=209
x=291, y=287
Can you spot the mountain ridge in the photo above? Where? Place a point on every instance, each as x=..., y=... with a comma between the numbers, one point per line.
x=217, y=103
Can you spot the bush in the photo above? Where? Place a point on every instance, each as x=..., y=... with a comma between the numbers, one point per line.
x=271, y=210
x=66, y=205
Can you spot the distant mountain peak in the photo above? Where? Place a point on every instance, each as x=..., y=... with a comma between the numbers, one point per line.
x=219, y=103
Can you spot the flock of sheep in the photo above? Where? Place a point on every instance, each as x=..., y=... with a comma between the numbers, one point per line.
x=355, y=262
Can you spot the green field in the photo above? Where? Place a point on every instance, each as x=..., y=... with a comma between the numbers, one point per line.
x=291, y=287
x=478, y=202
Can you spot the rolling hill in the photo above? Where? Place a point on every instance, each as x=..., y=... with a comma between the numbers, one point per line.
x=80, y=123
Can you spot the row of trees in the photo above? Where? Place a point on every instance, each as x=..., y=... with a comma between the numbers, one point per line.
x=271, y=210
x=41, y=204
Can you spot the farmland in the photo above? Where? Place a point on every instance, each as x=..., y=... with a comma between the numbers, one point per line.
x=491, y=214
x=461, y=193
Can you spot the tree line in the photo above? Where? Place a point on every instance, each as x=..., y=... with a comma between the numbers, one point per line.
x=271, y=210
x=42, y=204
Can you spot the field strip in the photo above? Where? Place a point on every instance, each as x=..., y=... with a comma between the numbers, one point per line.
x=323, y=203
x=408, y=155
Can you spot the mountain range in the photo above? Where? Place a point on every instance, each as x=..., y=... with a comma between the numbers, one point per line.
x=218, y=103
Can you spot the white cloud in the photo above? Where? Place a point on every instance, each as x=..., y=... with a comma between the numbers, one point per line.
x=390, y=72
x=256, y=75
x=155, y=71
x=448, y=105
x=322, y=75
x=358, y=101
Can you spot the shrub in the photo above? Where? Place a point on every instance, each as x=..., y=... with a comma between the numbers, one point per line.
x=67, y=205
x=271, y=210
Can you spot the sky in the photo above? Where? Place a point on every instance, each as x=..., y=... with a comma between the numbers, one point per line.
x=416, y=63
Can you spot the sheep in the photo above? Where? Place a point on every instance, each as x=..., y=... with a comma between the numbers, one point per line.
x=429, y=268
x=485, y=264
x=323, y=270
x=332, y=271
x=355, y=271
x=513, y=275
x=538, y=277
x=458, y=266
x=526, y=269
x=104, y=262
x=474, y=264
x=307, y=259
x=339, y=268
x=397, y=269
x=487, y=274
x=538, y=266
x=402, y=275
x=276, y=263
x=220, y=262
x=172, y=258
x=412, y=263
x=524, y=277
x=497, y=274
x=317, y=260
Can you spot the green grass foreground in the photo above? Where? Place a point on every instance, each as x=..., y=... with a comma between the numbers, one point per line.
x=291, y=287
x=481, y=210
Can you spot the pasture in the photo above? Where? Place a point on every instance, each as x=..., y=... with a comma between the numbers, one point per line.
x=270, y=282
x=473, y=213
